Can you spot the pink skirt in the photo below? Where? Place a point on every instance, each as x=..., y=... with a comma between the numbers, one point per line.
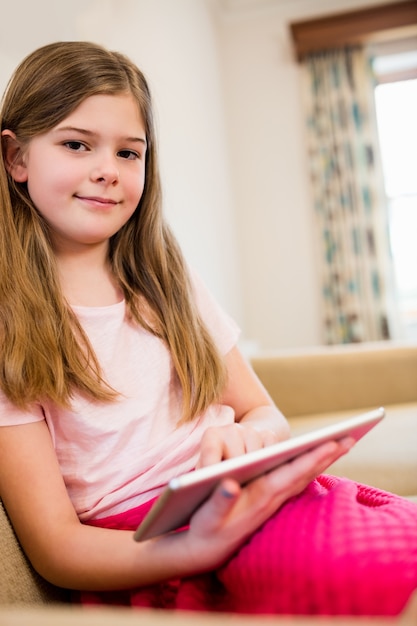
x=338, y=548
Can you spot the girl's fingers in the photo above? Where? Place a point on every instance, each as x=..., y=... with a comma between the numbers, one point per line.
x=226, y=495
x=212, y=515
x=255, y=502
x=269, y=438
x=298, y=473
x=222, y=443
x=225, y=442
x=232, y=512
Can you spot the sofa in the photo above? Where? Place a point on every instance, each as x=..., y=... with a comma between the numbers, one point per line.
x=312, y=387
x=315, y=387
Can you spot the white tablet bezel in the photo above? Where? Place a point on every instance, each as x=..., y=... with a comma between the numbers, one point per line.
x=184, y=494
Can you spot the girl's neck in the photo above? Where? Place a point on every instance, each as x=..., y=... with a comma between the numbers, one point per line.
x=86, y=278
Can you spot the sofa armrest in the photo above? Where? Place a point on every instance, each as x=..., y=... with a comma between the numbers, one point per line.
x=339, y=378
x=19, y=583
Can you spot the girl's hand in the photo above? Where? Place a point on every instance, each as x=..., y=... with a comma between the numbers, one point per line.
x=233, y=513
x=258, y=422
x=224, y=442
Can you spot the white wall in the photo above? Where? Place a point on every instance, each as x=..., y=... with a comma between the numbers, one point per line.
x=270, y=180
x=236, y=193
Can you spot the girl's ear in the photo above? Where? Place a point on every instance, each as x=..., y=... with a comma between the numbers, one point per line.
x=13, y=156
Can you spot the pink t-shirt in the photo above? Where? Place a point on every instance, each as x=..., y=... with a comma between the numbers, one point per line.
x=115, y=456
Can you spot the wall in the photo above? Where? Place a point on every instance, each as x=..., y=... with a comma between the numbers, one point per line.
x=269, y=168
x=226, y=89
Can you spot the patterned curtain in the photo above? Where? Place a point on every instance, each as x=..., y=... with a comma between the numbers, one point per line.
x=349, y=199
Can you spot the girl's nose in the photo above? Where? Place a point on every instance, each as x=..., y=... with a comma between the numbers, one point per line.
x=106, y=171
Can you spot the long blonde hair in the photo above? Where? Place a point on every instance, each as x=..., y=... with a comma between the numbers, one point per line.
x=44, y=353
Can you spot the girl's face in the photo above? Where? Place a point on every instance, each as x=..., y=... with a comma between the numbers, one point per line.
x=86, y=176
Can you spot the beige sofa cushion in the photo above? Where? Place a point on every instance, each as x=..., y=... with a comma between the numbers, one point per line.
x=19, y=583
x=339, y=378
x=318, y=385
x=385, y=458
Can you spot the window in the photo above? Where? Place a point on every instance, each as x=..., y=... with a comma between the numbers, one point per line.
x=396, y=106
x=389, y=32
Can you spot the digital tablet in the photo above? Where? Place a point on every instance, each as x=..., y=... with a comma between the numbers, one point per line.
x=184, y=494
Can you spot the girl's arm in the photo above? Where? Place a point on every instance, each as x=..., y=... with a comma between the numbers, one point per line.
x=77, y=556
x=61, y=549
x=258, y=422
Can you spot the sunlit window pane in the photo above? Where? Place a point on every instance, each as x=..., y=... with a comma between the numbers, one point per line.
x=396, y=107
x=403, y=234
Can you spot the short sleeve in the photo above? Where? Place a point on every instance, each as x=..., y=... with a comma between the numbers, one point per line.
x=222, y=327
x=11, y=415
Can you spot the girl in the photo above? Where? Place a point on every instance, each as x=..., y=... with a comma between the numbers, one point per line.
x=118, y=369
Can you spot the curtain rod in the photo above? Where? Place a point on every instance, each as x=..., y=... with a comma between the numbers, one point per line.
x=386, y=21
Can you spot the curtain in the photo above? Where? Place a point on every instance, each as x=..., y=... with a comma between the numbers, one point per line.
x=349, y=201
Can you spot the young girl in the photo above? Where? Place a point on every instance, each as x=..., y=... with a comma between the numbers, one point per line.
x=118, y=370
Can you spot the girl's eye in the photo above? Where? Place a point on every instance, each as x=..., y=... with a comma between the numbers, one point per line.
x=128, y=154
x=77, y=146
